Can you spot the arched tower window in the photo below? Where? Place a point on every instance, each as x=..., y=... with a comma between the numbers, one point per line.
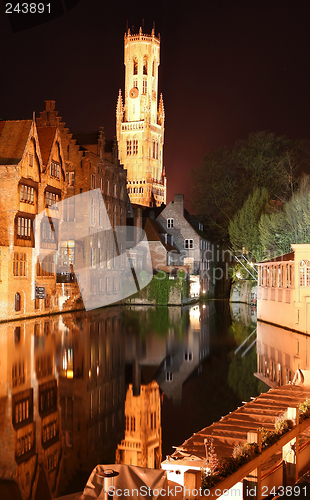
x=304, y=273
x=135, y=66
x=17, y=302
x=145, y=65
x=153, y=68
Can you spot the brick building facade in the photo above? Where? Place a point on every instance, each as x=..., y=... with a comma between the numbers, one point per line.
x=42, y=170
x=32, y=173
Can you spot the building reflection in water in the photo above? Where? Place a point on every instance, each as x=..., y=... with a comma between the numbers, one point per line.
x=280, y=352
x=142, y=443
x=31, y=445
x=65, y=403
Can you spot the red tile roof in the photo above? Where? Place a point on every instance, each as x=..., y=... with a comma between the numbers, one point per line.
x=13, y=140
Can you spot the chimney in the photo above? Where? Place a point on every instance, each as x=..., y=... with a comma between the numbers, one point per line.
x=50, y=105
x=178, y=202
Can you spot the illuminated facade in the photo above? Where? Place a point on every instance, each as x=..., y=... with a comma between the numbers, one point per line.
x=140, y=121
x=283, y=289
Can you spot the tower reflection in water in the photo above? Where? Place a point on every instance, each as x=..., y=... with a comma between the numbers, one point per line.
x=280, y=352
x=85, y=388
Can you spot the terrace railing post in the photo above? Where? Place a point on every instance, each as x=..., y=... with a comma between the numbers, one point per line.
x=290, y=452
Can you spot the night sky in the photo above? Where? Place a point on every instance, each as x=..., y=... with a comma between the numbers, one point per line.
x=227, y=68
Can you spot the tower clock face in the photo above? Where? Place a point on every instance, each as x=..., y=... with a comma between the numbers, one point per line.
x=134, y=92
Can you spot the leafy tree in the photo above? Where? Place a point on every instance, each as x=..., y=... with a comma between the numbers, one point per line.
x=243, y=228
x=291, y=224
x=222, y=184
x=215, y=192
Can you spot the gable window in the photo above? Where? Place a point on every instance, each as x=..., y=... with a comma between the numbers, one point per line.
x=189, y=243
x=170, y=223
x=26, y=194
x=24, y=227
x=55, y=169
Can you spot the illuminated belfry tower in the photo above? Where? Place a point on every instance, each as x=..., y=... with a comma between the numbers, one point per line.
x=140, y=121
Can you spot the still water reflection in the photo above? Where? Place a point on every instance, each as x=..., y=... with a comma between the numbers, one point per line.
x=113, y=385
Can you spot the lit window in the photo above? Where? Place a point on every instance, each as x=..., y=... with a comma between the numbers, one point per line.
x=188, y=244
x=170, y=224
x=17, y=302
x=304, y=273
x=24, y=227
x=26, y=194
x=19, y=264
x=48, y=232
x=128, y=148
x=135, y=66
x=145, y=65
x=100, y=213
x=55, y=169
x=70, y=179
x=51, y=199
x=92, y=212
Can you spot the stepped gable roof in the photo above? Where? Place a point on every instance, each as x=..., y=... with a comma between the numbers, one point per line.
x=13, y=140
x=46, y=137
x=152, y=230
x=233, y=428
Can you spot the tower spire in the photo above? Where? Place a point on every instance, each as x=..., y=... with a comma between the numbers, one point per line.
x=140, y=120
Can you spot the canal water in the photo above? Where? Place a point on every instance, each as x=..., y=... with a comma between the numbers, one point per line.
x=119, y=384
